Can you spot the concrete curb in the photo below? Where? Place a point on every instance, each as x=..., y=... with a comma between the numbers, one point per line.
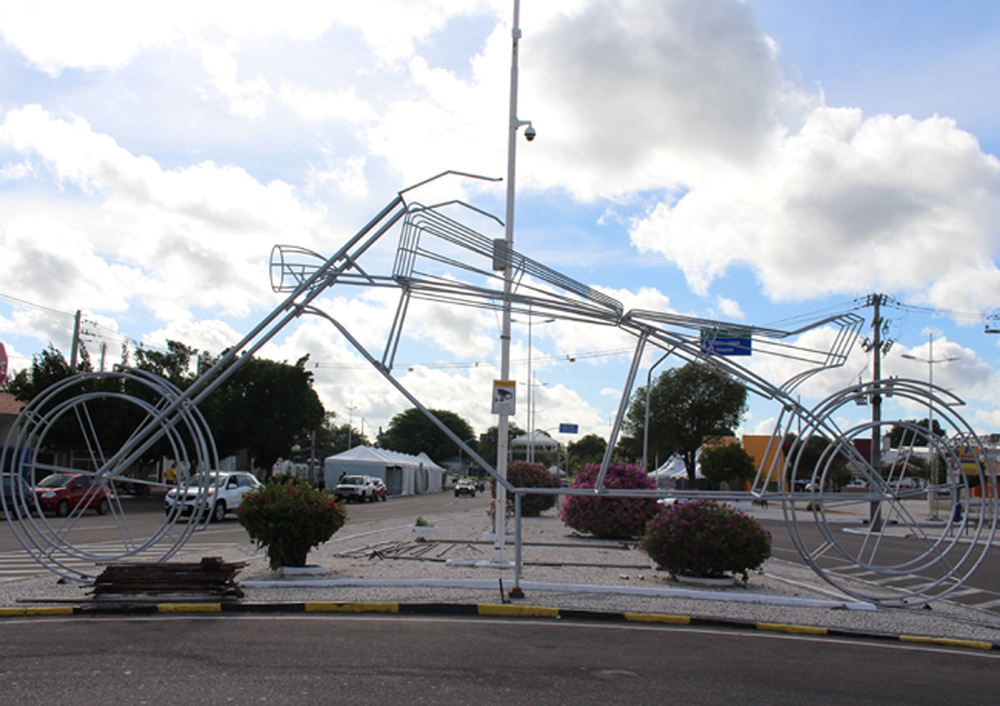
x=507, y=610
x=564, y=587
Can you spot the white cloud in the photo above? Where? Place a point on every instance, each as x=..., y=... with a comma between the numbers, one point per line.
x=45, y=261
x=628, y=95
x=200, y=233
x=846, y=205
x=108, y=34
x=248, y=97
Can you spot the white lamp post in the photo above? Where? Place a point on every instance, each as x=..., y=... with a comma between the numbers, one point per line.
x=514, y=123
x=350, y=422
x=932, y=494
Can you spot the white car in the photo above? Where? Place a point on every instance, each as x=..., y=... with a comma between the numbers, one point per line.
x=360, y=488
x=225, y=490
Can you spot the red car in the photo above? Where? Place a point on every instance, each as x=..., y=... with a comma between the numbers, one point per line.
x=62, y=492
x=381, y=492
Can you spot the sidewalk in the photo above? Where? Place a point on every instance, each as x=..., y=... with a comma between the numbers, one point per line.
x=387, y=564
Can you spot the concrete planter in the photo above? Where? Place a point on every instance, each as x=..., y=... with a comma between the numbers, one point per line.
x=706, y=583
x=301, y=572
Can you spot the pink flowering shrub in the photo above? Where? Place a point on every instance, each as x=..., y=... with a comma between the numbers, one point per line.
x=289, y=517
x=530, y=475
x=706, y=539
x=609, y=518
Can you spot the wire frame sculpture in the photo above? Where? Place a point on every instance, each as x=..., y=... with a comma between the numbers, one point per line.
x=440, y=259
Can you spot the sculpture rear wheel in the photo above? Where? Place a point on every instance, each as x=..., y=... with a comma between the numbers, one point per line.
x=896, y=541
x=105, y=425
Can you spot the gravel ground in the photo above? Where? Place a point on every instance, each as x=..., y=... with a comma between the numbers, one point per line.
x=389, y=562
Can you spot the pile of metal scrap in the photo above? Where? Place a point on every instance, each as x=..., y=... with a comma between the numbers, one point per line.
x=211, y=576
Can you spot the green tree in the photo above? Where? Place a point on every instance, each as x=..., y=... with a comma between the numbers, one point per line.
x=331, y=438
x=411, y=432
x=687, y=405
x=812, y=453
x=174, y=364
x=263, y=407
x=47, y=368
x=488, y=441
x=727, y=464
x=587, y=449
x=899, y=435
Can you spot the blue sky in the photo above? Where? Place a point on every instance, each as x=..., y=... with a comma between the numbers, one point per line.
x=747, y=161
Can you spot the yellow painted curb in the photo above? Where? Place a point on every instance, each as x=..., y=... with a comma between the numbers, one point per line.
x=20, y=612
x=658, y=618
x=802, y=629
x=520, y=611
x=350, y=607
x=189, y=607
x=979, y=645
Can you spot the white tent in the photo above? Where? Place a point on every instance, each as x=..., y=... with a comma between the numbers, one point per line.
x=537, y=439
x=403, y=474
x=675, y=469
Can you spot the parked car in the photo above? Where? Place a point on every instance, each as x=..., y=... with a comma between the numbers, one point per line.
x=224, y=491
x=63, y=492
x=15, y=477
x=360, y=488
x=15, y=489
x=465, y=486
x=381, y=492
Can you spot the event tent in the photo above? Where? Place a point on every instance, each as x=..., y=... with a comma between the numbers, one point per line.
x=403, y=474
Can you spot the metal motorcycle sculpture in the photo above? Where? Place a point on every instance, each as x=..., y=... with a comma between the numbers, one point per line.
x=440, y=259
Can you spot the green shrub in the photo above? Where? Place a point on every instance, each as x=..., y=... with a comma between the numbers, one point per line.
x=289, y=517
x=706, y=539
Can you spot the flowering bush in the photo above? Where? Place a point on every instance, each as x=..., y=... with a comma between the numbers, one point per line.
x=289, y=517
x=530, y=475
x=611, y=518
x=706, y=539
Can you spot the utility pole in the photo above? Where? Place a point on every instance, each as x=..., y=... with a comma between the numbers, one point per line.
x=74, y=348
x=876, y=301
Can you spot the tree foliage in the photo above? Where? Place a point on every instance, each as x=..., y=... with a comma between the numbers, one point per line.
x=904, y=436
x=261, y=407
x=47, y=368
x=488, y=442
x=587, y=449
x=331, y=438
x=727, y=464
x=687, y=405
x=411, y=432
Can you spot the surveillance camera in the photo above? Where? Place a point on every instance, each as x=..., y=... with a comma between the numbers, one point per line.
x=529, y=133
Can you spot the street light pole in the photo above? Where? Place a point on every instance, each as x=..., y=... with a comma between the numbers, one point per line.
x=932, y=493
x=350, y=422
x=499, y=557
x=645, y=423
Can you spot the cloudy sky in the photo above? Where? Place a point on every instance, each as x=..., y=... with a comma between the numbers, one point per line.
x=757, y=162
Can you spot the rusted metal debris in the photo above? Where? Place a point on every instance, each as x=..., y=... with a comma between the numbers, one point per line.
x=210, y=576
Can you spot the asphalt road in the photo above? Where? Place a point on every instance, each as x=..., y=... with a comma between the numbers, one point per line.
x=385, y=660
x=145, y=516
